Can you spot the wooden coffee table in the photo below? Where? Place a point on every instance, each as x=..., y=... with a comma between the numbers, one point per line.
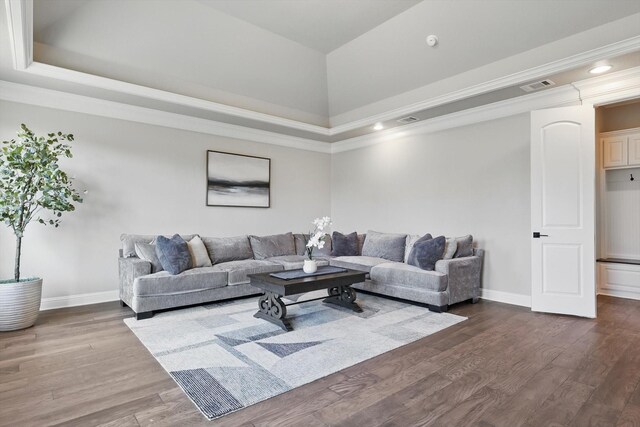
x=338, y=286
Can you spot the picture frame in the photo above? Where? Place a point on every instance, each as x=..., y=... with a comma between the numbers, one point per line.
x=238, y=180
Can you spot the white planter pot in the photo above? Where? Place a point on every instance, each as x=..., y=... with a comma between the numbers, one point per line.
x=310, y=266
x=19, y=304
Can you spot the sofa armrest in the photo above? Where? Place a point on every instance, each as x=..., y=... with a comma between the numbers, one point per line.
x=130, y=269
x=464, y=277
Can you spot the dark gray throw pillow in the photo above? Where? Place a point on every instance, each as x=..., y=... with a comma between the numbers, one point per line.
x=344, y=245
x=274, y=245
x=173, y=254
x=465, y=246
x=427, y=252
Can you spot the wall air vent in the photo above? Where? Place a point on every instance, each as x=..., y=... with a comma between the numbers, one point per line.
x=537, y=85
x=408, y=119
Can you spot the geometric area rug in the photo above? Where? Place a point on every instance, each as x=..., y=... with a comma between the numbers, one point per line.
x=224, y=359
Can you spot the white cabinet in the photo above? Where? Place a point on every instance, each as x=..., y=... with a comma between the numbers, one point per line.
x=634, y=150
x=615, y=151
x=621, y=149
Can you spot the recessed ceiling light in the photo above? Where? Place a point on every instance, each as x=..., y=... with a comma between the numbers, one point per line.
x=378, y=126
x=600, y=69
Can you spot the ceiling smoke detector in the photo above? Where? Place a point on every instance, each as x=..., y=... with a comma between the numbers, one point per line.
x=432, y=40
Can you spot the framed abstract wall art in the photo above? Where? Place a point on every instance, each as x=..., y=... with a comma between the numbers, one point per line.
x=238, y=180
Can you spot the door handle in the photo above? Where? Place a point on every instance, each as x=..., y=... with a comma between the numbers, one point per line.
x=537, y=235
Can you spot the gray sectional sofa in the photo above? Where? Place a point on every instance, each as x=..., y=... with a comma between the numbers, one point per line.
x=233, y=258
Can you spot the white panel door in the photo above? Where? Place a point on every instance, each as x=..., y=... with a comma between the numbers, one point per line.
x=614, y=151
x=634, y=149
x=563, y=211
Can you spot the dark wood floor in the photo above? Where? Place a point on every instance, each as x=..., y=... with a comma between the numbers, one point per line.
x=505, y=366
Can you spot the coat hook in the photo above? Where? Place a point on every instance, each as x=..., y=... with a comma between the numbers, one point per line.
x=632, y=178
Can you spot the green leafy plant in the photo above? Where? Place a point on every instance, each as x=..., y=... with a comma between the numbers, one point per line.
x=32, y=183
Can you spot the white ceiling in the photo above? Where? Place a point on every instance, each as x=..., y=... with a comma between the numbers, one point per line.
x=323, y=25
x=270, y=56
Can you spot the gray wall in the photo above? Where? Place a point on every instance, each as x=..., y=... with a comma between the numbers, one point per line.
x=148, y=179
x=473, y=179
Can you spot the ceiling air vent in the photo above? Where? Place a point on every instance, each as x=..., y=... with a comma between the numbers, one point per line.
x=408, y=119
x=537, y=85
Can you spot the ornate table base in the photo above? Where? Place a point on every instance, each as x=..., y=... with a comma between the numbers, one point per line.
x=343, y=296
x=272, y=309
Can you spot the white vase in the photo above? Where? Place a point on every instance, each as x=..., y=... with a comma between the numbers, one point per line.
x=19, y=304
x=310, y=266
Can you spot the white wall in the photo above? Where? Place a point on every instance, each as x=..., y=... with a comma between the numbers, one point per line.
x=148, y=179
x=472, y=179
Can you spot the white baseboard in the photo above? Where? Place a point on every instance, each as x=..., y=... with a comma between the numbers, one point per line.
x=619, y=293
x=506, y=297
x=79, y=299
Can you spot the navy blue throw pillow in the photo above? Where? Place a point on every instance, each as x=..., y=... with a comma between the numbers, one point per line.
x=173, y=254
x=427, y=252
x=344, y=245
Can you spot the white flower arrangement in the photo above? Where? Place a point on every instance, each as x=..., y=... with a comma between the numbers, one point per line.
x=316, y=238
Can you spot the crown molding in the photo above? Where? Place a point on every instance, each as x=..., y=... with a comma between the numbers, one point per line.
x=33, y=95
x=91, y=80
x=20, y=25
x=600, y=90
x=608, y=51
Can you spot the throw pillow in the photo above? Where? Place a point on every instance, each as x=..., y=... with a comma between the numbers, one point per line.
x=384, y=245
x=173, y=254
x=224, y=249
x=411, y=240
x=465, y=246
x=426, y=253
x=344, y=244
x=147, y=252
x=450, y=248
x=199, y=254
x=270, y=246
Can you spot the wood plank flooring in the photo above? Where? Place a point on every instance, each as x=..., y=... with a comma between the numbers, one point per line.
x=505, y=366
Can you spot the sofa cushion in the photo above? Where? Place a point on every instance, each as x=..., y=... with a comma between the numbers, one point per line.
x=129, y=242
x=392, y=273
x=359, y=262
x=411, y=240
x=147, y=252
x=223, y=249
x=173, y=254
x=426, y=252
x=465, y=246
x=275, y=245
x=198, y=252
x=238, y=270
x=344, y=244
x=294, y=262
x=384, y=245
x=165, y=283
x=450, y=248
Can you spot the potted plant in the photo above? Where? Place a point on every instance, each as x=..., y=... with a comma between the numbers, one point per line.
x=316, y=240
x=31, y=185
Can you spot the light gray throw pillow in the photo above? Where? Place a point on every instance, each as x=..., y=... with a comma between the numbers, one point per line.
x=450, y=248
x=384, y=245
x=199, y=254
x=465, y=246
x=274, y=245
x=147, y=252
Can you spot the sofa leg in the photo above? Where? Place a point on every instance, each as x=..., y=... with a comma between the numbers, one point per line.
x=438, y=308
x=123, y=304
x=475, y=300
x=144, y=315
